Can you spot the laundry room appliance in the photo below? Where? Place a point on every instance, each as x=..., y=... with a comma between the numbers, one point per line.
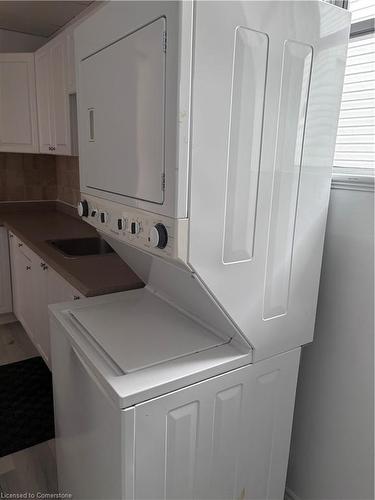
x=206, y=138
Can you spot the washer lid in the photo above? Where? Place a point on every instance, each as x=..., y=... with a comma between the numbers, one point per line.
x=138, y=329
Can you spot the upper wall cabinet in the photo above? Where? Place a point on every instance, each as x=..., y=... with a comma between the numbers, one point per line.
x=18, y=120
x=54, y=68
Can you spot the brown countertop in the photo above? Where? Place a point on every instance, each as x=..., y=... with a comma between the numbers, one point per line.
x=91, y=275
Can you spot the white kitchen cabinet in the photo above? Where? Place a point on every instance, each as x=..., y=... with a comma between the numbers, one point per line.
x=71, y=70
x=53, y=84
x=13, y=272
x=59, y=290
x=40, y=301
x=35, y=286
x=18, y=119
x=5, y=284
x=25, y=299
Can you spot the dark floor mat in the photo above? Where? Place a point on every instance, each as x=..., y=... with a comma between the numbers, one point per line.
x=26, y=405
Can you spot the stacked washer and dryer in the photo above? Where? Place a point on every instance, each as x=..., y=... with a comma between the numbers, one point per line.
x=206, y=138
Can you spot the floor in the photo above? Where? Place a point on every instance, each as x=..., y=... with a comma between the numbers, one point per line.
x=32, y=470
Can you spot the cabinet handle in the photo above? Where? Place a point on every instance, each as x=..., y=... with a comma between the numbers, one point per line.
x=44, y=266
x=20, y=244
x=76, y=297
x=28, y=268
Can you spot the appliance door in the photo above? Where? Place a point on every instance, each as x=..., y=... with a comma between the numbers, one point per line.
x=88, y=427
x=123, y=96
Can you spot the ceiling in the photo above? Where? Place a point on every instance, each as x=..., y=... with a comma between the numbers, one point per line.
x=38, y=18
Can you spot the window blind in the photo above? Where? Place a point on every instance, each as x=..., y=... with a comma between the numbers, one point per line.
x=361, y=10
x=355, y=145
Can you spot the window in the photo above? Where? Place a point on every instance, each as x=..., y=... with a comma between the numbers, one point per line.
x=355, y=145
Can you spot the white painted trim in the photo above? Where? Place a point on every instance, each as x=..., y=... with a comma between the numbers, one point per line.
x=353, y=182
x=6, y=318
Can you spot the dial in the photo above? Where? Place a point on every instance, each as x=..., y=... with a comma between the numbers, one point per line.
x=158, y=236
x=83, y=208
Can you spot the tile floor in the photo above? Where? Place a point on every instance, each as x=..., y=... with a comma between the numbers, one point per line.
x=33, y=469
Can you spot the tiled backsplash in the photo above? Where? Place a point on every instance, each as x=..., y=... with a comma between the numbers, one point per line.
x=67, y=171
x=29, y=177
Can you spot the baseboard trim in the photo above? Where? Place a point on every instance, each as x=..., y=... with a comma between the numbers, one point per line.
x=290, y=495
x=6, y=318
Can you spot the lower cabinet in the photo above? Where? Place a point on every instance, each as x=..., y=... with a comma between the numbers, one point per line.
x=35, y=286
x=5, y=287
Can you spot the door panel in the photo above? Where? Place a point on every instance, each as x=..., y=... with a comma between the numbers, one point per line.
x=123, y=98
x=41, y=327
x=5, y=284
x=297, y=61
x=226, y=438
x=257, y=215
x=44, y=94
x=24, y=279
x=18, y=122
x=60, y=98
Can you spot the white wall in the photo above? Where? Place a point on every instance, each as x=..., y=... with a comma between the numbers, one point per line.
x=12, y=41
x=332, y=442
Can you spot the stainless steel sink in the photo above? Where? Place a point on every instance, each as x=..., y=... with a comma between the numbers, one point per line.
x=79, y=247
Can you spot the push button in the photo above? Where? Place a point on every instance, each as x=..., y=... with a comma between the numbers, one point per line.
x=134, y=227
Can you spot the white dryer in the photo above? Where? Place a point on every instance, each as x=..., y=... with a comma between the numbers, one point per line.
x=206, y=138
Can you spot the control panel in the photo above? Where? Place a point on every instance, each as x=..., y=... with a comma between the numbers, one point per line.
x=154, y=233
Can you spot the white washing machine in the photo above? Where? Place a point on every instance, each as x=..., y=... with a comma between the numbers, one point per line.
x=206, y=137
x=151, y=404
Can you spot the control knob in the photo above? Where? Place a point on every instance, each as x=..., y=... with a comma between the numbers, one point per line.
x=83, y=208
x=158, y=236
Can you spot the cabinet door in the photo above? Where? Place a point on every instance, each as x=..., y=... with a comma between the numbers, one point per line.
x=71, y=72
x=59, y=290
x=53, y=97
x=13, y=269
x=5, y=287
x=18, y=119
x=41, y=326
x=25, y=309
x=44, y=96
x=60, y=97
x=49, y=288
